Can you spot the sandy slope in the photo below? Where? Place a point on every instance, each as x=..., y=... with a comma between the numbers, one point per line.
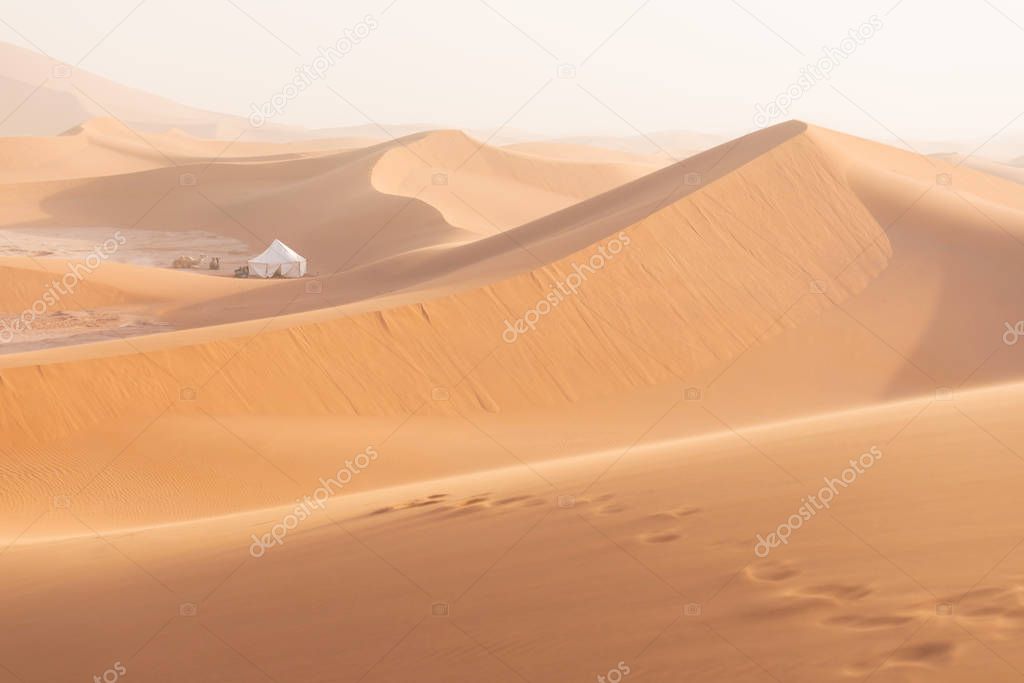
x=779, y=305
x=547, y=592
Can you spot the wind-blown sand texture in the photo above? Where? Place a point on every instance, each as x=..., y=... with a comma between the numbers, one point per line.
x=541, y=504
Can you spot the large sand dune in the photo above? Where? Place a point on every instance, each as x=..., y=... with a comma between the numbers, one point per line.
x=587, y=384
x=662, y=244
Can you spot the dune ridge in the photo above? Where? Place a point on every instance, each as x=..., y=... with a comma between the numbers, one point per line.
x=685, y=328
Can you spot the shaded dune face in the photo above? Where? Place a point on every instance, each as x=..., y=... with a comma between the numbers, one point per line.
x=710, y=256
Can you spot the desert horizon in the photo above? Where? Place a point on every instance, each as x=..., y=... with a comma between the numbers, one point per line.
x=678, y=350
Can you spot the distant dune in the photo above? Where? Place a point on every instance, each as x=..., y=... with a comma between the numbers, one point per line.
x=350, y=204
x=42, y=97
x=568, y=151
x=667, y=145
x=1008, y=171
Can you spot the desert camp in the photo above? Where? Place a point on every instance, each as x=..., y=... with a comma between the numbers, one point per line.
x=278, y=260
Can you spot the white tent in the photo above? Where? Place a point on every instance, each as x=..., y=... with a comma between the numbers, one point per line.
x=278, y=258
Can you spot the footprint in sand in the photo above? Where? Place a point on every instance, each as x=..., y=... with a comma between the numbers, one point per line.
x=867, y=622
x=524, y=501
x=837, y=604
x=771, y=572
x=1003, y=602
x=468, y=506
x=929, y=653
x=441, y=502
x=836, y=591
x=419, y=504
x=434, y=499
x=674, y=515
x=659, y=537
x=607, y=508
x=483, y=501
x=669, y=519
x=858, y=616
x=512, y=500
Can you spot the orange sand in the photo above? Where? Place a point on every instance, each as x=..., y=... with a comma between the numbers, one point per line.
x=543, y=504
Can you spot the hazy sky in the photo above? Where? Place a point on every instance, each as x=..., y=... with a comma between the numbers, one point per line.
x=930, y=69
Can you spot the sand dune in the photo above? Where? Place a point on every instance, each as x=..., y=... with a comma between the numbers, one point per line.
x=47, y=185
x=745, y=286
x=586, y=383
x=45, y=97
x=457, y=174
x=41, y=96
x=106, y=147
x=861, y=588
